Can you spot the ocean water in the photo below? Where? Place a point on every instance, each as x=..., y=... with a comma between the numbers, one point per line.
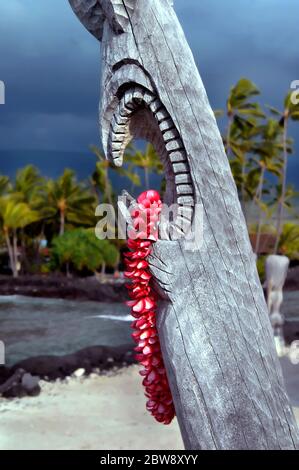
x=36, y=326
x=32, y=327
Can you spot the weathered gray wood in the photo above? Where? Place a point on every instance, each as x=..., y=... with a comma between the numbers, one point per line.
x=213, y=324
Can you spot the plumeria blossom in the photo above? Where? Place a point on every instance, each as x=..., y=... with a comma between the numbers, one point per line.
x=143, y=306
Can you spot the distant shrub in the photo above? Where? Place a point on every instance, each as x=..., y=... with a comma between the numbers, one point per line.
x=81, y=250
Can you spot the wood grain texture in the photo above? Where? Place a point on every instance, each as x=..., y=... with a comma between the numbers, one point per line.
x=213, y=323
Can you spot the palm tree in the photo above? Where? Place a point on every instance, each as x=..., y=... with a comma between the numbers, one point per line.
x=242, y=131
x=148, y=161
x=5, y=185
x=28, y=184
x=268, y=151
x=240, y=111
x=14, y=215
x=70, y=201
x=290, y=112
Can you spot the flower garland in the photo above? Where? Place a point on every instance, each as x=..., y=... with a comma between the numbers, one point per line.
x=143, y=303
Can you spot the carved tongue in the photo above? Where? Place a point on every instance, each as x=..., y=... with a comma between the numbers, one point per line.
x=143, y=304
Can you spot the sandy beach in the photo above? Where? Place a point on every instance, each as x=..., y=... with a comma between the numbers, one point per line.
x=93, y=413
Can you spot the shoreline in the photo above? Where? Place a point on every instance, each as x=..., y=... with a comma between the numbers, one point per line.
x=92, y=288
x=61, y=287
x=85, y=362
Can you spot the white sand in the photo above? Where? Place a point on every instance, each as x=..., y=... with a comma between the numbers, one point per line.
x=99, y=413
x=106, y=412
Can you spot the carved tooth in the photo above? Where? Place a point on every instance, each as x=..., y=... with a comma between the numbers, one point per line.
x=180, y=168
x=148, y=97
x=182, y=189
x=176, y=144
x=183, y=178
x=117, y=129
x=162, y=115
x=116, y=146
x=177, y=156
x=170, y=135
x=123, y=111
x=138, y=95
x=185, y=212
x=118, y=119
x=155, y=106
x=166, y=125
x=117, y=158
x=128, y=100
x=118, y=137
x=185, y=200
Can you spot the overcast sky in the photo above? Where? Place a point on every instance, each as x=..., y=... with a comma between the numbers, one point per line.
x=51, y=65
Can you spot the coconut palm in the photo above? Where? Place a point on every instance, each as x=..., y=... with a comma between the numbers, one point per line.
x=28, y=184
x=14, y=215
x=240, y=111
x=69, y=201
x=268, y=159
x=290, y=112
x=148, y=161
x=5, y=185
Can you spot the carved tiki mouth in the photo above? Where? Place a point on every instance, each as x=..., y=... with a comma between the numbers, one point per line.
x=141, y=114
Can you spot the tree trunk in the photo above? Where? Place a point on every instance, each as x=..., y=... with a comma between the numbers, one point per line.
x=62, y=222
x=103, y=270
x=15, y=253
x=280, y=215
x=10, y=254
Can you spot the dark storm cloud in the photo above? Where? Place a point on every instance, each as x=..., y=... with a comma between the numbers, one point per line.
x=51, y=64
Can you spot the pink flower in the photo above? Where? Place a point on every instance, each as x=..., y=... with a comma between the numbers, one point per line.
x=143, y=305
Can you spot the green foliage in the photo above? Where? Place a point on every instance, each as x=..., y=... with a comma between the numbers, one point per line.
x=14, y=214
x=260, y=264
x=289, y=241
x=81, y=249
x=148, y=161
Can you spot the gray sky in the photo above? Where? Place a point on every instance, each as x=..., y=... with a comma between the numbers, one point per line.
x=51, y=65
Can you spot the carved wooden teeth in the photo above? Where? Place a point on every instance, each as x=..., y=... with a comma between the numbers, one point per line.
x=184, y=189
x=166, y=125
x=170, y=135
x=162, y=115
x=183, y=178
x=180, y=167
x=156, y=106
x=178, y=157
x=138, y=96
x=186, y=201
